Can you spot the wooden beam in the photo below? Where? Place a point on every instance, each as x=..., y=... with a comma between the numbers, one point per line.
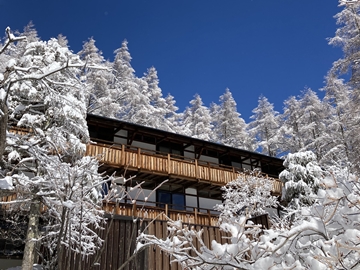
x=199, y=153
x=157, y=141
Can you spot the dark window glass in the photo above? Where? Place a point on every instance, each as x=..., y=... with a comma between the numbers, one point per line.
x=175, y=201
x=171, y=148
x=102, y=133
x=164, y=197
x=178, y=201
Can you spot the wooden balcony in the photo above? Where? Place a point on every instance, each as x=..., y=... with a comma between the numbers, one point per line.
x=190, y=215
x=134, y=158
x=152, y=162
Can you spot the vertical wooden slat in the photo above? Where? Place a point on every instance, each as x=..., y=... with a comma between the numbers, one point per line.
x=158, y=255
x=128, y=231
x=151, y=253
x=138, y=163
x=122, y=158
x=165, y=256
x=122, y=243
x=169, y=164
x=196, y=169
x=195, y=215
x=116, y=244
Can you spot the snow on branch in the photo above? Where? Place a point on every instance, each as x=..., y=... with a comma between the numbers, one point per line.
x=10, y=39
x=324, y=235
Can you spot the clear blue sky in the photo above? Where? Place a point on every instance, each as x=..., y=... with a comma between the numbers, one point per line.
x=275, y=48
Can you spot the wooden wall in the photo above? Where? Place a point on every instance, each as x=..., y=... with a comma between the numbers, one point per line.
x=121, y=237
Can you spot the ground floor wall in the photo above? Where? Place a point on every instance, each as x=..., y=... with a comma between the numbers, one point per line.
x=120, y=234
x=9, y=263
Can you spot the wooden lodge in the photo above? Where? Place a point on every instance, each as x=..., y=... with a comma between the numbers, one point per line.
x=194, y=171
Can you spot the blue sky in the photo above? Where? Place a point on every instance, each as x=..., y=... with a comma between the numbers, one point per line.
x=275, y=48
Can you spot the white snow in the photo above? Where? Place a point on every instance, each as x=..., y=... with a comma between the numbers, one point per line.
x=6, y=183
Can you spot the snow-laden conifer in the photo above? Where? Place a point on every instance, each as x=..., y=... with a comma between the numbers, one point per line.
x=301, y=178
x=101, y=95
x=265, y=126
x=159, y=105
x=131, y=92
x=196, y=120
x=230, y=127
x=347, y=37
x=312, y=122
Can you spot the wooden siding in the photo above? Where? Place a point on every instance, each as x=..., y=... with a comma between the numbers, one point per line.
x=134, y=158
x=120, y=244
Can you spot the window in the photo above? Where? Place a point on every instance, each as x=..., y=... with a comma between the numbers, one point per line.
x=102, y=133
x=174, y=200
x=170, y=148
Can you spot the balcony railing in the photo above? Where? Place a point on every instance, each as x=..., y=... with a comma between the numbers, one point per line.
x=191, y=215
x=155, y=162
x=150, y=161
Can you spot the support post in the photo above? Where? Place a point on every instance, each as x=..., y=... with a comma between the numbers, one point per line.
x=122, y=158
x=139, y=158
x=169, y=163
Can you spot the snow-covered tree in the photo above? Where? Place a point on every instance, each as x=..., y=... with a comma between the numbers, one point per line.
x=101, y=94
x=229, y=127
x=171, y=113
x=159, y=105
x=249, y=194
x=324, y=236
x=291, y=140
x=196, y=120
x=339, y=124
x=62, y=40
x=348, y=37
x=312, y=123
x=44, y=164
x=265, y=126
x=301, y=178
x=132, y=92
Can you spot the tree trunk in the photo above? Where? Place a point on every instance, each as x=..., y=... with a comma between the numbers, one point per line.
x=31, y=236
x=3, y=129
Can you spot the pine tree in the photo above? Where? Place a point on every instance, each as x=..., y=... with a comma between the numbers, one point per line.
x=339, y=125
x=196, y=120
x=62, y=40
x=348, y=37
x=312, y=119
x=214, y=114
x=301, y=179
x=171, y=114
x=290, y=137
x=132, y=92
x=264, y=126
x=230, y=127
x=158, y=117
x=102, y=97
